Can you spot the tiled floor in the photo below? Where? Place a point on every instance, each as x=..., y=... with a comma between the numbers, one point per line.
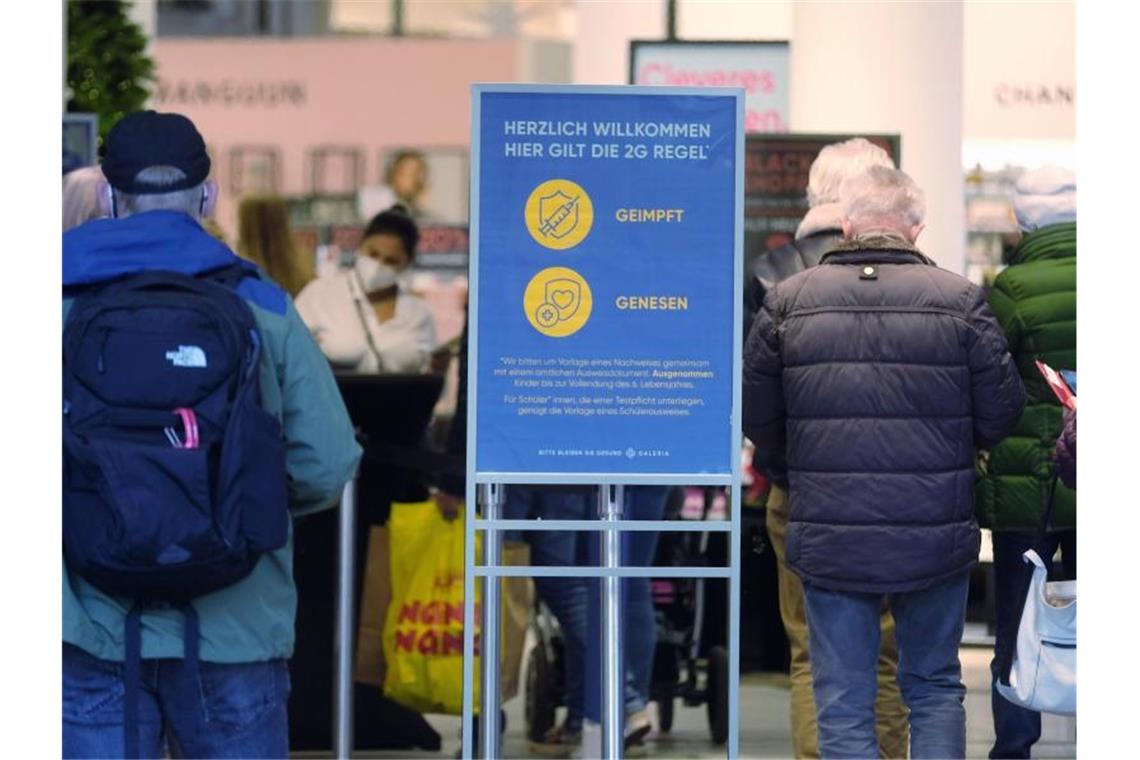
x=764, y=723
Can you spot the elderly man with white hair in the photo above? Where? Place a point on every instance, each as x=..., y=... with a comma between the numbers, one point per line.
x=869, y=383
x=821, y=228
x=1035, y=300
x=820, y=231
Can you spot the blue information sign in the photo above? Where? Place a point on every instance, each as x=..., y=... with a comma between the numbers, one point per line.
x=606, y=234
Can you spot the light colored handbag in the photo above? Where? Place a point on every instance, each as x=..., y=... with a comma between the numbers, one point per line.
x=1044, y=672
x=1043, y=675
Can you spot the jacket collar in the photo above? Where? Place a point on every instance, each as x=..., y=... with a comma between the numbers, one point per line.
x=826, y=217
x=1055, y=241
x=105, y=249
x=890, y=249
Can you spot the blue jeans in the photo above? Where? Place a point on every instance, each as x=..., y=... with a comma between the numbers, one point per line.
x=639, y=635
x=1017, y=729
x=576, y=602
x=566, y=597
x=844, y=643
x=234, y=711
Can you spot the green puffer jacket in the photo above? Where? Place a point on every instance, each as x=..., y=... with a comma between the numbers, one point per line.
x=1035, y=300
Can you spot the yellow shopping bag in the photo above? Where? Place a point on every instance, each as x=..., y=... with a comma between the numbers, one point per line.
x=423, y=627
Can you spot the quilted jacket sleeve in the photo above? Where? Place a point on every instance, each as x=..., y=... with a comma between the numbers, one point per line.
x=1004, y=307
x=1065, y=456
x=321, y=450
x=996, y=388
x=763, y=393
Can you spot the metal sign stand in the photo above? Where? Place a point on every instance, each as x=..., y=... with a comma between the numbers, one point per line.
x=492, y=545
x=612, y=525
x=342, y=645
x=610, y=507
x=490, y=483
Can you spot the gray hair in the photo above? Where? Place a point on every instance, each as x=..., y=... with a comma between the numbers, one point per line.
x=839, y=162
x=158, y=177
x=882, y=197
x=81, y=196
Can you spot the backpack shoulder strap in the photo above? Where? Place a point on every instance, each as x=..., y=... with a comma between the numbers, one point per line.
x=229, y=275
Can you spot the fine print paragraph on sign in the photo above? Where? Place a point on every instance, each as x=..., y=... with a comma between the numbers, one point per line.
x=556, y=386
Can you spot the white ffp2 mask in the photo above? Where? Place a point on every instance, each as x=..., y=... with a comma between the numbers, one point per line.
x=374, y=275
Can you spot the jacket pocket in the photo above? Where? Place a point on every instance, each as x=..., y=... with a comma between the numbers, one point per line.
x=237, y=696
x=92, y=688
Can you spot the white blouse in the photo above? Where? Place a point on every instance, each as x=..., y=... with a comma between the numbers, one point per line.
x=345, y=326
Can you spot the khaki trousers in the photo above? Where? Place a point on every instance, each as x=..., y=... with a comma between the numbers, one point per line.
x=890, y=712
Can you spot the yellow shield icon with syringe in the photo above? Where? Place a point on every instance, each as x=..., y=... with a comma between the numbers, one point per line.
x=559, y=214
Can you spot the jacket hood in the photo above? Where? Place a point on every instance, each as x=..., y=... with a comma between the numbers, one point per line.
x=826, y=217
x=105, y=249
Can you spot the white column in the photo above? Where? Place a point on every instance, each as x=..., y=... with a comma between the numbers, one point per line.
x=890, y=67
x=605, y=27
x=734, y=20
x=145, y=14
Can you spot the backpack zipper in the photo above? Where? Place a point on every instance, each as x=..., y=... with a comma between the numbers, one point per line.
x=100, y=365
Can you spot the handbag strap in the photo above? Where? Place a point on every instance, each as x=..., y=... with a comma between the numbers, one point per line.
x=356, y=300
x=1040, y=544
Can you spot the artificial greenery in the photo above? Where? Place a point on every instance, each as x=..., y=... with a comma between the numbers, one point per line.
x=108, y=70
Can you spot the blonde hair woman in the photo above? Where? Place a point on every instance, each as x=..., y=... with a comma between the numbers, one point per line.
x=81, y=196
x=265, y=238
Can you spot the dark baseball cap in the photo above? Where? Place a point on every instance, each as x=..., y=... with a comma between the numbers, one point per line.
x=147, y=138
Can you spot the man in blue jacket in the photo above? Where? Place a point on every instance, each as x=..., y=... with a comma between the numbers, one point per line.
x=869, y=381
x=157, y=193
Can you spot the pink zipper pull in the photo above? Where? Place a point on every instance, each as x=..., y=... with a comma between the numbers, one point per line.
x=189, y=425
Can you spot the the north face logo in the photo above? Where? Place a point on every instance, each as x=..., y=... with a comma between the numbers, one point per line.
x=187, y=356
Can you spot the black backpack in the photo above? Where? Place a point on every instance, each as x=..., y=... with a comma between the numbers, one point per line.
x=174, y=477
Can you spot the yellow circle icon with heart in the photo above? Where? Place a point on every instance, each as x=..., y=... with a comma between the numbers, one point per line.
x=558, y=302
x=559, y=214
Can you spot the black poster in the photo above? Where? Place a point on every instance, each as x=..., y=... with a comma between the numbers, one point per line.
x=775, y=184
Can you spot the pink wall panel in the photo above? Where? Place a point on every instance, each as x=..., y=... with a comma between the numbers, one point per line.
x=298, y=94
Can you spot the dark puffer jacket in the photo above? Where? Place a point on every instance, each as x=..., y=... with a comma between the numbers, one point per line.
x=868, y=382
x=792, y=258
x=1066, y=455
x=781, y=263
x=1035, y=300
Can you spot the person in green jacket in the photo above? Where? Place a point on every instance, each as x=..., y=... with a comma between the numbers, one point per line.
x=158, y=192
x=1035, y=300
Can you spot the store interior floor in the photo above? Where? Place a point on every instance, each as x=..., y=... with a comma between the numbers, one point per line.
x=764, y=723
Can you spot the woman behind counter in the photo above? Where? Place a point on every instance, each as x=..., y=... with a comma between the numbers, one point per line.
x=361, y=318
